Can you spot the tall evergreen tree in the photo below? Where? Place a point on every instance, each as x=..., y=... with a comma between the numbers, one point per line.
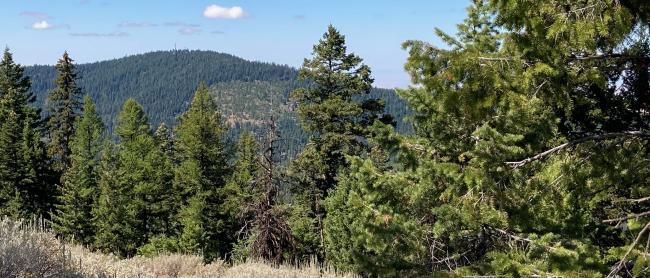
x=80, y=190
x=142, y=183
x=64, y=104
x=240, y=190
x=23, y=171
x=200, y=178
x=113, y=220
x=336, y=114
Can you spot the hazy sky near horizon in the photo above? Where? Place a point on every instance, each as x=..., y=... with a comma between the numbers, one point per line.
x=279, y=31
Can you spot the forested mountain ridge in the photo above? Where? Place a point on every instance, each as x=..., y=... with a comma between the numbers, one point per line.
x=164, y=82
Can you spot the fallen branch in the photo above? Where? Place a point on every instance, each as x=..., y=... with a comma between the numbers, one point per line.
x=599, y=137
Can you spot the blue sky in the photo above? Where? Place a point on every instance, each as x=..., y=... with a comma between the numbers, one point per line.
x=280, y=31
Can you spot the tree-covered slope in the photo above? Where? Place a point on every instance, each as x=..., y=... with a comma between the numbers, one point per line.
x=164, y=82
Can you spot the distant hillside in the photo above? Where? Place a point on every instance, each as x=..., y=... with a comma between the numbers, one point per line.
x=164, y=83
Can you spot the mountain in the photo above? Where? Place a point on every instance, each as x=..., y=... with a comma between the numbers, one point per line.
x=164, y=82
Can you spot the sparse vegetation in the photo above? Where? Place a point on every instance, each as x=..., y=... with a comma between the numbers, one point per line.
x=28, y=250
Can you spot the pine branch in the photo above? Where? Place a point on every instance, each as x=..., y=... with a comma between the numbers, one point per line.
x=599, y=137
x=414, y=147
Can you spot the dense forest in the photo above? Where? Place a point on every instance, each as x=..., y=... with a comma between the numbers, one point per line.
x=248, y=93
x=528, y=155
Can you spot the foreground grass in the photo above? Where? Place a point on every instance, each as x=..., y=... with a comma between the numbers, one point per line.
x=29, y=251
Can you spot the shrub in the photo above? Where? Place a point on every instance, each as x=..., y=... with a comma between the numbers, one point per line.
x=28, y=251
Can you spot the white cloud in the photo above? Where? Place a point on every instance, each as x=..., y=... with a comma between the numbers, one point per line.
x=130, y=24
x=42, y=25
x=216, y=11
x=188, y=31
x=179, y=24
x=97, y=35
x=36, y=15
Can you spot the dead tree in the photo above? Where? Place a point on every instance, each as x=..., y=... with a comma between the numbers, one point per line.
x=272, y=236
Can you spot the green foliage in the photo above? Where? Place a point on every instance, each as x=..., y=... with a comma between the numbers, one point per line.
x=368, y=228
x=141, y=186
x=79, y=189
x=200, y=178
x=112, y=219
x=24, y=173
x=519, y=78
x=240, y=190
x=64, y=104
x=332, y=111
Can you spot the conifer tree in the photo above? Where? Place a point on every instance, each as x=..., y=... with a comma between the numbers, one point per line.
x=113, y=220
x=141, y=185
x=240, y=190
x=168, y=199
x=80, y=182
x=200, y=178
x=144, y=171
x=521, y=161
x=332, y=112
x=64, y=104
x=23, y=171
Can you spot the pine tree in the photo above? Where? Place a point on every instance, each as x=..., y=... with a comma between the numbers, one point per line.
x=113, y=220
x=23, y=170
x=200, y=177
x=331, y=110
x=80, y=189
x=141, y=186
x=144, y=171
x=240, y=190
x=64, y=104
x=525, y=157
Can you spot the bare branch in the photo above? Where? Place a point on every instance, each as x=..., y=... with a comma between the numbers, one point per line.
x=640, y=200
x=636, y=215
x=613, y=56
x=518, y=238
x=619, y=265
x=599, y=137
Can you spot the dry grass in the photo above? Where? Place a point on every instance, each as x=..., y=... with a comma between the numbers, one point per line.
x=28, y=251
x=90, y=264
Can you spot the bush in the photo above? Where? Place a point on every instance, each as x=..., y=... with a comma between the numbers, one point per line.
x=28, y=251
